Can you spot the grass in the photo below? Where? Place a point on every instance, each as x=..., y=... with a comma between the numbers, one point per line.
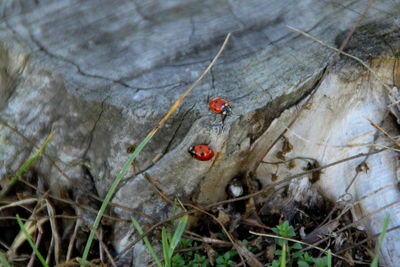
x=4, y=261
x=303, y=258
x=110, y=193
x=21, y=171
x=297, y=255
x=169, y=243
x=146, y=242
x=380, y=241
x=138, y=149
x=30, y=241
x=287, y=253
x=27, y=164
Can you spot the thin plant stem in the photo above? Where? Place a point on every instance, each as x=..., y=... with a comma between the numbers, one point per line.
x=30, y=241
x=146, y=242
x=138, y=149
x=380, y=241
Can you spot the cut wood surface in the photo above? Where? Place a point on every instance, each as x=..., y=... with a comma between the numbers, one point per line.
x=101, y=74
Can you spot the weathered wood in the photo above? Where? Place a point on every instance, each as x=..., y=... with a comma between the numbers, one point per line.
x=102, y=73
x=335, y=126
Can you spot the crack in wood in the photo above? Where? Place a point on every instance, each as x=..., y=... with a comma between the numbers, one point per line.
x=95, y=126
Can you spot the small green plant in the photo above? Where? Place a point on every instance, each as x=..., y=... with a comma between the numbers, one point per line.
x=198, y=258
x=287, y=231
x=169, y=243
x=225, y=260
x=3, y=261
x=190, y=258
x=139, y=148
x=303, y=259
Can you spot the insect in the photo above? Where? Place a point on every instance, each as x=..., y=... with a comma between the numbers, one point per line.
x=220, y=106
x=201, y=152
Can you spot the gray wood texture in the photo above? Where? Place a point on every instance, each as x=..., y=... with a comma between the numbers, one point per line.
x=101, y=74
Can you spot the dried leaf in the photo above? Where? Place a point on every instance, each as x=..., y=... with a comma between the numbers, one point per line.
x=223, y=217
x=321, y=231
x=210, y=253
x=251, y=259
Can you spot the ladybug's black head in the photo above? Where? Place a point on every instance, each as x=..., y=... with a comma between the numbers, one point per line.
x=191, y=151
x=226, y=109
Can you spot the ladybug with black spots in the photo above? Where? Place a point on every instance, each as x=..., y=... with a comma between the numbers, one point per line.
x=201, y=152
x=220, y=106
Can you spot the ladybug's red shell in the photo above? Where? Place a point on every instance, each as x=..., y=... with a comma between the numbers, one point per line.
x=220, y=106
x=201, y=152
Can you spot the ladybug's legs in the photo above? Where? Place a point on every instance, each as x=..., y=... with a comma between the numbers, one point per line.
x=224, y=115
x=218, y=124
x=217, y=121
x=226, y=110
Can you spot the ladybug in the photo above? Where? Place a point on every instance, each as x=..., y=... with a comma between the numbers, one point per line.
x=220, y=106
x=201, y=152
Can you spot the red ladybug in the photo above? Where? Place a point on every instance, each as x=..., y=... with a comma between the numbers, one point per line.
x=220, y=106
x=201, y=152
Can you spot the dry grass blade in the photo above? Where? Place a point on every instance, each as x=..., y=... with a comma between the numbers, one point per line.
x=74, y=204
x=58, y=168
x=139, y=148
x=395, y=183
x=326, y=71
x=355, y=223
x=158, y=189
x=387, y=87
x=50, y=250
x=262, y=191
x=383, y=131
x=367, y=239
x=29, y=238
x=323, y=230
x=251, y=259
x=57, y=239
x=104, y=247
x=234, y=243
x=72, y=240
x=297, y=241
x=37, y=244
x=19, y=203
x=31, y=227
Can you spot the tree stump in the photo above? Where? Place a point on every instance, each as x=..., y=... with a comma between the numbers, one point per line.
x=101, y=74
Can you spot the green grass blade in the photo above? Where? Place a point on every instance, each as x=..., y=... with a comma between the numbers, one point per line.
x=32, y=159
x=174, y=207
x=110, y=193
x=283, y=257
x=165, y=246
x=27, y=164
x=30, y=241
x=140, y=147
x=329, y=258
x=4, y=261
x=146, y=242
x=178, y=234
x=381, y=237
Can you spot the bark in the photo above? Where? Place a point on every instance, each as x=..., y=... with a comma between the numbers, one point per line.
x=101, y=74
